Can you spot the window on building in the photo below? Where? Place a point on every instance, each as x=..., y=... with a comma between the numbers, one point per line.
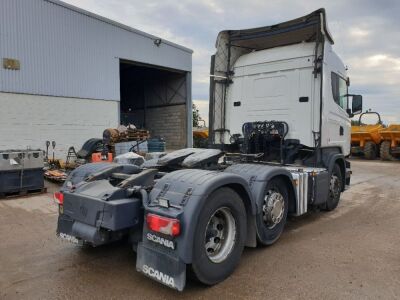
x=339, y=90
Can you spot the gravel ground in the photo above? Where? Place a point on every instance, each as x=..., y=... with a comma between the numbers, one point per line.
x=350, y=253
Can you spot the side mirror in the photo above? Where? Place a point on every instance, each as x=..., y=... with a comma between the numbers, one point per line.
x=356, y=105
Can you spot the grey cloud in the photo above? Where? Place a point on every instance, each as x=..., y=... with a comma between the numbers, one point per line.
x=361, y=29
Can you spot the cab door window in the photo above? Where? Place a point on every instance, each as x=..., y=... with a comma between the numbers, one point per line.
x=339, y=90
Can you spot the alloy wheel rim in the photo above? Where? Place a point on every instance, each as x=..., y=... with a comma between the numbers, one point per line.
x=273, y=208
x=220, y=235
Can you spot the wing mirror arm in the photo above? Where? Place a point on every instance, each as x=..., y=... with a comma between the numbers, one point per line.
x=350, y=113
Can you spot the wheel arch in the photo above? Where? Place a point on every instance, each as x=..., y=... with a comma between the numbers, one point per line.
x=250, y=212
x=340, y=161
x=291, y=192
x=332, y=156
x=202, y=184
x=258, y=176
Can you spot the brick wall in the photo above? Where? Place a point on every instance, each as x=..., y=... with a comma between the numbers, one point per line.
x=170, y=123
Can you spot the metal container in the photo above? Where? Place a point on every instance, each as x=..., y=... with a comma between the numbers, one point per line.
x=12, y=160
x=19, y=181
x=21, y=170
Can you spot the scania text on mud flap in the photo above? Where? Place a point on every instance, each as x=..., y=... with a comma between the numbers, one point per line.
x=162, y=241
x=164, y=278
x=279, y=137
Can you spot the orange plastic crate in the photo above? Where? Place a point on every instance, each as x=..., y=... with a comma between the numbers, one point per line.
x=97, y=157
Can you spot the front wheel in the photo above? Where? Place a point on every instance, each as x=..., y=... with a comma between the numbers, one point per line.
x=219, y=237
x=335, y=189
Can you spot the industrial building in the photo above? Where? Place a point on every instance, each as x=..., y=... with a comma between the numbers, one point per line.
x=68, y=74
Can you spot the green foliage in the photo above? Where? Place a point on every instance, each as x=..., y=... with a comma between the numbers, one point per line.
x=196, y=116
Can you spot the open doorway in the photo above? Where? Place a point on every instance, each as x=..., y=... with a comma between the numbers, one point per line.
x=155, y=98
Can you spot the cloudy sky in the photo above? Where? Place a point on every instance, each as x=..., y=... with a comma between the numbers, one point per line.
x=366, y=34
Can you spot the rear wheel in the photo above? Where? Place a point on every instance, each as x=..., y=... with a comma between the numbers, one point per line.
x=271, y=220
x=370, y=150
x=219, y=237
x=335, y=189
x=386, y=151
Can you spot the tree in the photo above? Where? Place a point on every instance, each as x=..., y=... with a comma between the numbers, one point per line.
x=196, y=116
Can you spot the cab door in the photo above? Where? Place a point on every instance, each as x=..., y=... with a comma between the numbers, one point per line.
x=338, y=122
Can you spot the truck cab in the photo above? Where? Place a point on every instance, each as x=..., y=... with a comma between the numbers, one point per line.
x=287, y=72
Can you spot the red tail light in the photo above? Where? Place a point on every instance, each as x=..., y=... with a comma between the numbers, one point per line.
x=163, y=224
x=58, y=198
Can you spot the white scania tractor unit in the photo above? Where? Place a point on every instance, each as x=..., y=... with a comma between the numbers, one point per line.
x=279, y=138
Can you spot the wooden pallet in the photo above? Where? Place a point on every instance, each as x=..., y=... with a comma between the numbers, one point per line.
x=135, y=138
x=23, y=193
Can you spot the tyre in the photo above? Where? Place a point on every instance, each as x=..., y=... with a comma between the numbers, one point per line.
x=271, y=220
x=219, y=237
x=370, y=150
x=386, y=151
x=335, y=189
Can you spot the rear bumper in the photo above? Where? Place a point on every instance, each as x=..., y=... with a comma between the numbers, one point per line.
x=83, y=232
x=161, y=266
x=112, y=215
x=96, y=221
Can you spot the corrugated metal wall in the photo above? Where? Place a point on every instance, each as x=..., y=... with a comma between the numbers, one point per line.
x=66, y=53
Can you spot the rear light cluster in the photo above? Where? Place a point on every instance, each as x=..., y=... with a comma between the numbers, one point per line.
x=163, y=224
x=58, y=198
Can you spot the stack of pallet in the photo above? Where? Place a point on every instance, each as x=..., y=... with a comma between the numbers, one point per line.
x=112, y=136
x=137, y=134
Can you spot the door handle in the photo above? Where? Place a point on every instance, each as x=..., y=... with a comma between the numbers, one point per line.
x=341, y=130
x=303, y=99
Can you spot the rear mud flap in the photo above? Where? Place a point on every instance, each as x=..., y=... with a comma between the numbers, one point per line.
x=64, y=225
x=71, y=229
x=161, y=267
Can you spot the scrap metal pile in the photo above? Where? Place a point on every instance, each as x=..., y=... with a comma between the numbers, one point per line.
x=115, y=142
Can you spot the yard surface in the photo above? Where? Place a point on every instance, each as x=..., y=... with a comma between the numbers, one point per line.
x=350, y=253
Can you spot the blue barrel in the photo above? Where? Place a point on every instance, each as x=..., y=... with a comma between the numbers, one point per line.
x=156, y=145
